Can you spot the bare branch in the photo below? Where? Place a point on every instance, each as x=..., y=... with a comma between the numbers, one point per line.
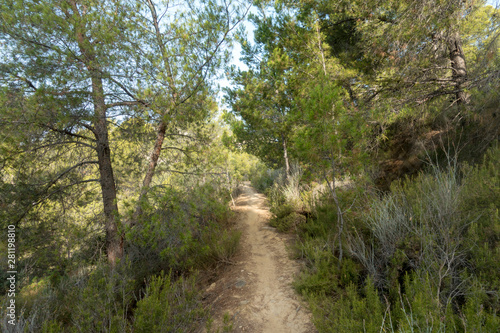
x=50, y=194
x=197, y=174
x=183, y=135
x=89, y=127
x=67, y=132
x=175, y=148
x=62, y=143
x=62, y=174
x=127, y=92
x=127, y=103
x=93, y=180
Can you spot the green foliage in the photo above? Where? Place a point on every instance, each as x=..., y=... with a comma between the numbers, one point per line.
x=168, y=306
x=474, y=316
x=322, y=278
x=102, y=304
x=103, y=300
x=219, y=247
x=52, y=326
x=243, y=167
x=329, y=134
x=481, y=198
x=99, y=301
x=420, y=310
x=326, y=220
x=183, y=231
x=350, y=312
x=292, y=221
x=83, y=88
x=227, y=324
x=263, y=178
x=428, y=250
x=286, y=193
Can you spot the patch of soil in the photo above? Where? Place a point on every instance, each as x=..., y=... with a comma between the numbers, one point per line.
x=256, y=289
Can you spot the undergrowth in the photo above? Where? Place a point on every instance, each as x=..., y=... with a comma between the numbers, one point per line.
x=422, y=258
x=154, y=288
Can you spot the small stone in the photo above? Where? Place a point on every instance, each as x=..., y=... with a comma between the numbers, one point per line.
x=240, y=283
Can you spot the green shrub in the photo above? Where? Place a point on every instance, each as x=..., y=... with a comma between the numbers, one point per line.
x=181, y=231
x=52, y=326
x=429, y=249
x=169, y=306
x=350, y=312
x=287, y=191
x=288, y=222
x=263, y=178
x=481, y=199
x=95, y=302
x=282, y=210
x=322, y=278
x=419, y=310
x=474, y=318
x=218, y=246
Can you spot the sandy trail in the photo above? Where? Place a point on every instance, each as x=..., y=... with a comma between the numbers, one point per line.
x=256, y=291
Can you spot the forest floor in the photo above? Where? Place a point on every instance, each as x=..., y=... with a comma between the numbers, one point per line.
x=255, y=292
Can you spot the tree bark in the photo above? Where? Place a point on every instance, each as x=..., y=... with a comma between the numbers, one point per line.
x=162, y=126
x=287, y=162
x=114, y=240
x=340, y=215
x=153, y=161
x=459, y=67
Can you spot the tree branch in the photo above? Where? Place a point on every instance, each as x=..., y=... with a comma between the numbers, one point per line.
x=62, y=174
x=176, y=148
x=196, y=174
x=67, y=132
x=89, y=127
x=180, y=134
x=62, y=143
x=126, y=103
x=127, y=92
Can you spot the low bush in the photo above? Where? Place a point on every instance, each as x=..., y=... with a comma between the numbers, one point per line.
x=288, y=222
x=423, y=257
x=181, y=231
x=169, y=306
x=98, y=301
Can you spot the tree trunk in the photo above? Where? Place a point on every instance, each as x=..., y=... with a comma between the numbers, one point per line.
x=162, y=126
x=287, y=162
x=153, y=161
x=340, y=215
x=114, y=241
x=458, y=66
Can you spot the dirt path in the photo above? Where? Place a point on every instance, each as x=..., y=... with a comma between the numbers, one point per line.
x=256, y=291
